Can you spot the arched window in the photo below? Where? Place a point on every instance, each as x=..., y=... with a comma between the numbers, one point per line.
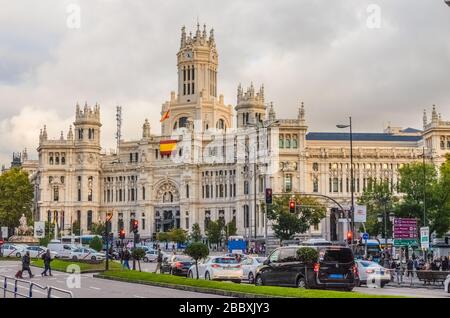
x=220, y=124
x=50, y=158
x=63, y=158
x=294, y=142
x=281, y=142
x=288, y=141
x=57, y=158
x=182, y=122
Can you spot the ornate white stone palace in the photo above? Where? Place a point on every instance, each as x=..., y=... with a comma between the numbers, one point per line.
x=210, y=174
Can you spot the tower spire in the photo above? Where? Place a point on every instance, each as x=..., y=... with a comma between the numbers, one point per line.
x=424, y=118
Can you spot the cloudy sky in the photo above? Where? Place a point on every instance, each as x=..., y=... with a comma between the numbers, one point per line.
x=329, y=54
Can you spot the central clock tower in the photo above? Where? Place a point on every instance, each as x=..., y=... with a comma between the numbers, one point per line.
x=197, y=65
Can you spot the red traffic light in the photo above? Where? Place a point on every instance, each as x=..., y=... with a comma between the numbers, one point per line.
x=122, y=234
x=349, y=235
x=292, y=206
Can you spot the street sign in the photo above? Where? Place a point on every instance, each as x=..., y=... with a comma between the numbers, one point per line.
x=405, y=242
x=405, y=228
x=425, y=237
x=4, y=232
x=39, y=229
x=365, y=236
x=360, y=213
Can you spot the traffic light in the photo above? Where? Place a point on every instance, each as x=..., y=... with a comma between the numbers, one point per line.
x=268, y=196
x=349, y=238
x=122, y=234
x=292, y=206
x=135, y=226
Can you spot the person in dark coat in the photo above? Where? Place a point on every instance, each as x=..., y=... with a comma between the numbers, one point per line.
x=26, y=264
x=159, y=261
x=47, y=259
x=126, y=258
x=444, y=264
x=410, y=268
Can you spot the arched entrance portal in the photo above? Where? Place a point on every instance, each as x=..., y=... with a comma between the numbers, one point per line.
x=167, y=211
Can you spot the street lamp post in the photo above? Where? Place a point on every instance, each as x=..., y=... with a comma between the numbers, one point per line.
x=352, y=181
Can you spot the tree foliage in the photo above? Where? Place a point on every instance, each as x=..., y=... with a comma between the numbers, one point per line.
x=177, y=235
x=378, y=197
x=98, y=228
x=286, y=224
x=214, y=231
x=196, y=234
x=307, y=255
x=230, y=228
x=16, y=197
x=96, y=244
x=197, y=251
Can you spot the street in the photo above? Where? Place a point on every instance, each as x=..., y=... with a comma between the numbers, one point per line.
x=91, y=287
x=98, y=288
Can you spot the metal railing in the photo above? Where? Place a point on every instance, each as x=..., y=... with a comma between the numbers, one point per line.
x=417, y=278
x=27, y=290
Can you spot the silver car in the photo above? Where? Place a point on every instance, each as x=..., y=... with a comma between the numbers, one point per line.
x=221, y=268
x=372, y=274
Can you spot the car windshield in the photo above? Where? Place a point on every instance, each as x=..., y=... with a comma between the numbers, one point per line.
x=225, y=260
x=341, y=255
x=182, y=259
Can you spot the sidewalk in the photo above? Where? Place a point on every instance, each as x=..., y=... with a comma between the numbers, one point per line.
x=413, y=282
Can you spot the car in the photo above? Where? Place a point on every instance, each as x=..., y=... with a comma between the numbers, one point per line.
x=249, y=267
x=84, y=253
x=152, y=256
x=61, y=250
x=38, y=251
x=13, y=250
x=220, y=268
x=177, y=265
x=372, y=274
x=334, y=268
x=447, y=284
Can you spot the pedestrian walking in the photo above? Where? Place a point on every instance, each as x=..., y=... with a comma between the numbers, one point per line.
x=47, y=259
x=444, y=264
x=159, y=260
x=410, y=268
x=26, y=265
x=126, y=259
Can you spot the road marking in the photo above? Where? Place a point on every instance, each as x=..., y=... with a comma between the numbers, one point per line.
x=96, y=288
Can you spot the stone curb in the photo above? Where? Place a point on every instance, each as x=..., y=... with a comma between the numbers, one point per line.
x=189, y=288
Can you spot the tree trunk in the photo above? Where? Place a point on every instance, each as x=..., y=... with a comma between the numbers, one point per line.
x=196, y=268
x=139, y=264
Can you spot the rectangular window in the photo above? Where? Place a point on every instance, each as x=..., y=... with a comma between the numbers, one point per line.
x=288, y=183
x=187, y=191
x=143, y=193
x=89, y=220
x=335, y=185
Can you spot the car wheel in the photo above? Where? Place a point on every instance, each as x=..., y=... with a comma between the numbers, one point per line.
x=93, y=258
x=301, y=283
x=74, y=258
x=259, y=281
x=383, y=284
x=207, y=276
x=251, y=278
x=145, y=259
x=18, y=255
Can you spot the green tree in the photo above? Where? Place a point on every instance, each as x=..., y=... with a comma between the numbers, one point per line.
x=163, y=237
x=178, y=236
x=230, y=229
x=76, y=228
x=421, y=183
x=138, y=254
x=196, y=235
x=96, y=244
x=16, y=197
x=197, y=251
x=378, y=198
x=98, y=228
x=286, y=224
x=214, y=231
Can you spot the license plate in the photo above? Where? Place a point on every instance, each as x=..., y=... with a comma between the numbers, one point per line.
x=382, y=272
x=336, y=276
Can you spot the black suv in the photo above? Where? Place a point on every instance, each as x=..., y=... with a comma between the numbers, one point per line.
x=335, y=269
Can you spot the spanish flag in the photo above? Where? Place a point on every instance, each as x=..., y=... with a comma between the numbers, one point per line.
x=166, y=147
x=165, y=116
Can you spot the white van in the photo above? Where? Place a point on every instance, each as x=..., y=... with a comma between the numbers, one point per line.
x=62, y=250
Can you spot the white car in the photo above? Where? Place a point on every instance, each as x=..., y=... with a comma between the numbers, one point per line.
x=12, y=250
x=62, y=250
x=83, y=253
x=372, y=274
x=249, y=266
x=152, y=256
x=447, y=284
x=218, y=268
x=38, y=251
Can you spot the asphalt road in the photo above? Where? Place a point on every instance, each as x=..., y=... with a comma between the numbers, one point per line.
x=91, y=287
x=98, y=288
